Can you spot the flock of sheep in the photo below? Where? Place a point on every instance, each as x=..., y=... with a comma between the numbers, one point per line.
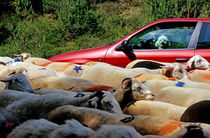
x=146, y=99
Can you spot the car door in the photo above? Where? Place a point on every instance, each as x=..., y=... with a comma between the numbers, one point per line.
x=165, y=42
x=203, y=46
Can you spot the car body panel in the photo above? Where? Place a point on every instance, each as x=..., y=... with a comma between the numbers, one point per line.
x=110, y=55
x=82, y=56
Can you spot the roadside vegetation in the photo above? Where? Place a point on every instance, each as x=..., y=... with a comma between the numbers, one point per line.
x=45, y=28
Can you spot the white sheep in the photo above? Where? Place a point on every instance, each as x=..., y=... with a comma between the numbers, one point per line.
x=155, y=108
x=6, y=71
x=33, y=71
x=197, y=62
x=113, y=76
x=155, y=85
x=200, y=75
x=23, y=56
x=182, y=96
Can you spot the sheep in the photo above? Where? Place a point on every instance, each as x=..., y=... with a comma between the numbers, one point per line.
x=90, y=63
x=27, y=57
x=131, y=90
x=197, y=112
x=198, y=62
x=45, y=77
x=71, y=128
x=148, y=76
x=6, y=71
x=155, y=85
x=26, y=106
x=34, y=71
x=23, y=56
x=70, y=69
x=18, y=81
x=155, y=108
x=94, y=118
x=33, y=128
x=104, y=101
x=67, y=83
x=193, y=130
x=149, y=64
x=6, y=60
x=200, y=75
x=112, y=75
x=182, y=96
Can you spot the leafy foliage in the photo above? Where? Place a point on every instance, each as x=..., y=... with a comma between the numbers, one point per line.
x=48, y=27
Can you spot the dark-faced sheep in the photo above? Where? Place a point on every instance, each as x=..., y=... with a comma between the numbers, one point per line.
x=18, y=82
x=198, y=112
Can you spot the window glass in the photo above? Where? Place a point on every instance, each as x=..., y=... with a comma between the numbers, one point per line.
x=204, y=38
x=170, y=35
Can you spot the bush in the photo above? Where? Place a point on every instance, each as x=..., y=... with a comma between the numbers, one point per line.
x=78, y=19
x=160, y=9
x=38, y=37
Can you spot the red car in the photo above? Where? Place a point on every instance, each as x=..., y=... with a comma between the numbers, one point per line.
x=168, y=40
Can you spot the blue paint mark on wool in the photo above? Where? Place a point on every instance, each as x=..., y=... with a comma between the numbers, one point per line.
x=17, y=59
x=79, y=95
x=77, y=68
x=180, y=84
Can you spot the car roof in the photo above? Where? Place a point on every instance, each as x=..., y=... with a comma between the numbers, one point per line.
x=174, y=20
x=185, y=19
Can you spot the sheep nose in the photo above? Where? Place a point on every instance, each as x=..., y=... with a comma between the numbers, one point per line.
x=150, y=97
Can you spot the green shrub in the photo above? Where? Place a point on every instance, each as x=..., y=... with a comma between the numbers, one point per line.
x=38, y=37
x=78, y=19
x=160, y=9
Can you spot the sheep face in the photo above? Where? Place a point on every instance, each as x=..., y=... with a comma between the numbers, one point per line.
x=18, y=82
x=23, y=56
x=104, y=100
x=176, y=70
x=198, y=62
x=137, y=89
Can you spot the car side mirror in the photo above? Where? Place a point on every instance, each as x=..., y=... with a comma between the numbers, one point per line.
x=123, y=46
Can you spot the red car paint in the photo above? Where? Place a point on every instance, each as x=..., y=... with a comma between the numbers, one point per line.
x=118, y=54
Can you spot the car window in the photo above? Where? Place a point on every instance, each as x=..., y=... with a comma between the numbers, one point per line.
x=170, y=35
x=204, y=38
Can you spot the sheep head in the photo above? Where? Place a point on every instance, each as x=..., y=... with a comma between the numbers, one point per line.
x=23, y=56
x=175, y=70
x=104, y=100
x=197, y=62
x=18, y=82
x=136, y=90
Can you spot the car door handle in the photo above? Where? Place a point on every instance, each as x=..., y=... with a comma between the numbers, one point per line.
x=181, y=60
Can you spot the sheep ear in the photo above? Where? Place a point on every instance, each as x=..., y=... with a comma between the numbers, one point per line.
x=18, y=55
x=126, y=84
x=6, y=79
